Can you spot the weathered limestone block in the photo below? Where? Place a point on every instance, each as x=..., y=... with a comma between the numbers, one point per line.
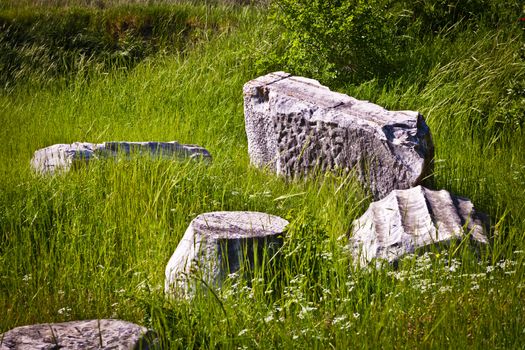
x=62, y=157
x=89, y=334
x=407, y=220
x=296, y=126
x=217, y=244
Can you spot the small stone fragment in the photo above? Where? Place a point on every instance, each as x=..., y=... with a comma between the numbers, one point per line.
x=407, y=220
x=217, y=244
x=89, y=334
x=296, y=126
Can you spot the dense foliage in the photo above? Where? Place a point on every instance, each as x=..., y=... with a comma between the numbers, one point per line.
x=351, y=40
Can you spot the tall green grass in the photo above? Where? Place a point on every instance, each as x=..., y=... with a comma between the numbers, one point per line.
x=44, y=45
x=95, y=242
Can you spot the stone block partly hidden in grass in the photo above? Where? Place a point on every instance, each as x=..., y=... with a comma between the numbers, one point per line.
x=89, y=334
x=217, y=244
x=296, y=126
x=408, y=220
x=62, y=157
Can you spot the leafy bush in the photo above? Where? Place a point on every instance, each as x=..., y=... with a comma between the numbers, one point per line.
x=352, y=41
x=333, y=40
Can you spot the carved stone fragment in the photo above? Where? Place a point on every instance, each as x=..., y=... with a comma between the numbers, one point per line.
x=296, y=126
x=62, y=157
x=407, y=220
x=217, y=244
x=89, y=334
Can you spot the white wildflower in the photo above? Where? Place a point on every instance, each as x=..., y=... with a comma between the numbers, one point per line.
x=345, y=326
x=305, y=310
x=339, y=319
x=268, y=318
x=64, y=311
x=233, y=275
x=326, y=255
x=445, y=289
x=504, y=264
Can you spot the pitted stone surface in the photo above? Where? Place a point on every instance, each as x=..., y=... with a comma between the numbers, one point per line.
x=89, y=334
x=218, y=243
x=296, y=126
x=407, y=220
x=62, y=157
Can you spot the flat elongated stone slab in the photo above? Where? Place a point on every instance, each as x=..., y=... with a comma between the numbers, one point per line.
x=217, y=244
x=89, y=334
x=407, y=220
x=62, y=157
x=296, y=126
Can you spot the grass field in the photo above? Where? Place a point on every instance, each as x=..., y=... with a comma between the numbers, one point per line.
x=94, y=243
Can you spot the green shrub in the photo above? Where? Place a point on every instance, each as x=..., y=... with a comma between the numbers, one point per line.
x=333, y=40
x=352, y=41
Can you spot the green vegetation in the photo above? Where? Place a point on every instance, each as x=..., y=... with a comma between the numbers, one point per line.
x=95, y=242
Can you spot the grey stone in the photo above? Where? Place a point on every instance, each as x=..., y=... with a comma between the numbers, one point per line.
x=88, y=334
x=62, y=157
x=171, y=149
x=407, y=220
x=296, y=126
x=217, y=244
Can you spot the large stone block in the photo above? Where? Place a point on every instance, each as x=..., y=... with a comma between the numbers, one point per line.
x=407, y=220
x=62, y=157
x=296, y=126
x=217, y=244
x=90, y=334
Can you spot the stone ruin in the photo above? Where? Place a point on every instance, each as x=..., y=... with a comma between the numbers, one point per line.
x=296, y=126
x=217, y=244
x=408, y=220
x=80, y=335
x=63, y=157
